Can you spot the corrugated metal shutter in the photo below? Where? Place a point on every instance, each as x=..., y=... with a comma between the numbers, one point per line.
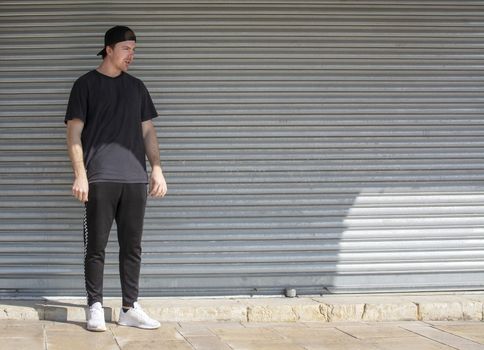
x=322, y=145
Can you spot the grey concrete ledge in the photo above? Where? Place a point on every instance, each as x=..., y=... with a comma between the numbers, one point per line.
x=330, y=308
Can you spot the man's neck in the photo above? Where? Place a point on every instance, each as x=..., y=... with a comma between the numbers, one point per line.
x=108, y=69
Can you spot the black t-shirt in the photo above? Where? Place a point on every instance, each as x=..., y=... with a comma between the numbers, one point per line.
x=112, y=110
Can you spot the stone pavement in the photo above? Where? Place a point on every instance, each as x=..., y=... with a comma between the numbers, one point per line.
x=413, y=335
x=423, y=321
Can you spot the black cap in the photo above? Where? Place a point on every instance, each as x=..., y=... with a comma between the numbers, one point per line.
x=116, y=35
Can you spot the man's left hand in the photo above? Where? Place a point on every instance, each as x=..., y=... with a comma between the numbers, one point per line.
x=158, y=186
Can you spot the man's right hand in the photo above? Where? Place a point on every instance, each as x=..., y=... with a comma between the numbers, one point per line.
x=80, y=189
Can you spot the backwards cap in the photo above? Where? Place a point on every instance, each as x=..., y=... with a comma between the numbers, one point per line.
x=115, y=35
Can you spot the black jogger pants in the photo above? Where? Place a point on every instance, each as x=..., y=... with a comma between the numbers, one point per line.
x=126, y=204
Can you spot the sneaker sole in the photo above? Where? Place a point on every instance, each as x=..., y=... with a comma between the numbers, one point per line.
x=136, y=326
x=96, y=329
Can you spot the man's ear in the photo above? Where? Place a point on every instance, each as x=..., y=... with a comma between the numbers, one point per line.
x=109, y=50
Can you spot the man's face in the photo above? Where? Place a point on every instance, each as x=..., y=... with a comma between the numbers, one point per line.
x=122, y=55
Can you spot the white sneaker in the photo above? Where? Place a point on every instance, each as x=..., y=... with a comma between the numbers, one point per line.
x=136, y=317
x=95, y=321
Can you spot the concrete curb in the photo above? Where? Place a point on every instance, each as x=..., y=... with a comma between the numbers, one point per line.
x=331, y=308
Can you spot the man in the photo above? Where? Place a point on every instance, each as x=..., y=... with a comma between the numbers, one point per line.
x=109, y=132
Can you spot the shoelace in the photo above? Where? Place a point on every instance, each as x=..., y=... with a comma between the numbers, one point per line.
x=95, y=312
x=139, y=311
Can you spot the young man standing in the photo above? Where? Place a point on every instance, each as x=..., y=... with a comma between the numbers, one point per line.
x=109, y=132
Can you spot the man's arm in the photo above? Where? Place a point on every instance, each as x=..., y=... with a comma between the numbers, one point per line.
x=80, y=187
x=158, y=186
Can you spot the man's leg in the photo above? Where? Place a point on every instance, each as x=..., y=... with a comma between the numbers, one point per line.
x=98, y=219
x=129, y=220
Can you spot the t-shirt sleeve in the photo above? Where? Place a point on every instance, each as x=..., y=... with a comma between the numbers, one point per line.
x=77, y=105
x=148, y=110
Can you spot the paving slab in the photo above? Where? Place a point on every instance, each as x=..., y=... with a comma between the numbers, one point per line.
x=159, y=344
x=168, y=333
x=35, y=330
x=57, y=339
x=446, y=338
x=353, y=345
x=262, y=345
x=283, y=325
x=22, y=335
x=22, y=343
x=434, y=335
x=246, y=333
x=368, y=331
x=207, y=343
x=194, y=329
x=330, y=324
x=321, y=336
x=223, y=324
x=407, y=343
x=469, y=330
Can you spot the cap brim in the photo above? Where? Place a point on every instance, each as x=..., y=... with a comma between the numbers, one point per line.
x=100, y=53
